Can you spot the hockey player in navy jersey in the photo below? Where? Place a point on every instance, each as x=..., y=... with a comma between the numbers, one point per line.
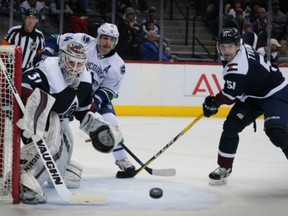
x=255, y=88
x=108, y=70
x=67, y=86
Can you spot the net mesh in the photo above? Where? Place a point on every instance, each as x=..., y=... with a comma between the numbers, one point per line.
x=7, y=55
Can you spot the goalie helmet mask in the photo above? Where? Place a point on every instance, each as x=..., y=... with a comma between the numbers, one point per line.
x=72, y=59
x=108, y=29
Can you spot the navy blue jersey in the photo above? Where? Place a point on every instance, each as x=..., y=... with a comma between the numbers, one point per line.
x=250, y=75
x=48, y=77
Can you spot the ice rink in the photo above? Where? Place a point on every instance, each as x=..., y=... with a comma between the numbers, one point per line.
x=258, y=185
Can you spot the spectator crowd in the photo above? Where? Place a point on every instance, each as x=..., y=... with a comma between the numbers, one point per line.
x=134, y=19
x=139, y=28
x=250, y=17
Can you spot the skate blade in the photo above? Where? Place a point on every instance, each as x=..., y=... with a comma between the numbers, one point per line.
x=214, y=182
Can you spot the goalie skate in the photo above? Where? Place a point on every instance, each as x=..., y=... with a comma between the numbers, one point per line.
x=219, y=176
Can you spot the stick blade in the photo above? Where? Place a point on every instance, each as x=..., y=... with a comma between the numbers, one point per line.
x=88, y=198
x=125, y=174
x=164, y=172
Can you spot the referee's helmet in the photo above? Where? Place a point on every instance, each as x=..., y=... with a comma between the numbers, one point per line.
x=31, y=12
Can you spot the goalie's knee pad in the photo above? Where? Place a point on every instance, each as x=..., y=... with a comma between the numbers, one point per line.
x=278, y=135
x=30, y=190
x=102, y=139
x=73, y=175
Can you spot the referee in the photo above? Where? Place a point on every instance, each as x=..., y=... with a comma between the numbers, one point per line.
x=30, y=39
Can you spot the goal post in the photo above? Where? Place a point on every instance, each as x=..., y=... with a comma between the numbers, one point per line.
x=9, y=132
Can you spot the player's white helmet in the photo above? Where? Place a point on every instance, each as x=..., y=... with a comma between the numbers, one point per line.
x=108, y=29
x=72, y=62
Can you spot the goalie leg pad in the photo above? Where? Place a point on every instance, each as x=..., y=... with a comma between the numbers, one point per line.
x=30, y=190
x=37, y=111
x=31, y=162
x=73, y=175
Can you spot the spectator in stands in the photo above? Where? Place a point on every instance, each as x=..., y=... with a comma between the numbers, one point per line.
x=249, y=37
x=260, y=27
x=150, y=25
x=239, y=20
x=73, y=22
x=278, y=20
x=55, y=8
x=27, y=4
x=283, y=53
x=30, y=39
x=149, y=50
x=152, y=16
x=237, y=5
x=251, y=11
x=122, y=5
x=274, y=46
x=78, y=23
x=284, y=34
x=5, y=6
x=129, y=30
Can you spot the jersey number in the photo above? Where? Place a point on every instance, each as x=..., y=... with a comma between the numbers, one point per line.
x=36, y=77
x=230, y=84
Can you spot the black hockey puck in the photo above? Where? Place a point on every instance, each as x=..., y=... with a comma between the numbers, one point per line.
x=156, y=193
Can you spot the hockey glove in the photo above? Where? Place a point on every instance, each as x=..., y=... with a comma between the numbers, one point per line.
x=209, y=108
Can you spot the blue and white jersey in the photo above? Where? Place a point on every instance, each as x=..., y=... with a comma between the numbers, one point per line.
x=48, y=77
x=250, y=75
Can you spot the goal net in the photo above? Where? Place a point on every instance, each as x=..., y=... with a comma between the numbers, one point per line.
x=11, y=56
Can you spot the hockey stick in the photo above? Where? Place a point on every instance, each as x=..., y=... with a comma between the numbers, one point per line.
x=47, y=159
x=156, y=172
x=122, y=174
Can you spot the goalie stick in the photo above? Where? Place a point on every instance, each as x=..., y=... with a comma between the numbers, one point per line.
x=47, y=159
x=122, y=174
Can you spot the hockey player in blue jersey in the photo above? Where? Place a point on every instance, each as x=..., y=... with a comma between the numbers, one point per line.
x=108, y=71
x=255, y=88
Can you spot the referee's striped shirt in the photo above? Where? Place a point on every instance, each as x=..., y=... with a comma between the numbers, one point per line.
x=30, y=42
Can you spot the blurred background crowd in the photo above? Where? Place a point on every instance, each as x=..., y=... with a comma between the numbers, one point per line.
x=138, y=22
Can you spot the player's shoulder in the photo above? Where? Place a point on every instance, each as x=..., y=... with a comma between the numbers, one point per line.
x=50, y=66
x=118, y=63
x=239, y=65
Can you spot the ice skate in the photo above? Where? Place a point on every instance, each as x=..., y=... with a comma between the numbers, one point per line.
x=125, y=165
x=219, y=176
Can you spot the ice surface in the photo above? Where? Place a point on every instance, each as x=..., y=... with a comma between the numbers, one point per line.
x=258, y=185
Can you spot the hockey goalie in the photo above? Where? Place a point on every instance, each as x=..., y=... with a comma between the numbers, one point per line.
x=55, y=89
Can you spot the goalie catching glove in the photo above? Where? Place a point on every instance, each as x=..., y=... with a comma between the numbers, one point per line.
x=103, y=135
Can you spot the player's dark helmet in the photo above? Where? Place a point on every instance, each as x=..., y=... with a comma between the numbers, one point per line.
x=229, y=35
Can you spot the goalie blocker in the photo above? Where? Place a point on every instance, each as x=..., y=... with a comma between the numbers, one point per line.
x=103, y=135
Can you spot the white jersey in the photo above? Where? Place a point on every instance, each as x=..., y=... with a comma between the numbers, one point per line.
x=107, y=71
x=48, y=77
